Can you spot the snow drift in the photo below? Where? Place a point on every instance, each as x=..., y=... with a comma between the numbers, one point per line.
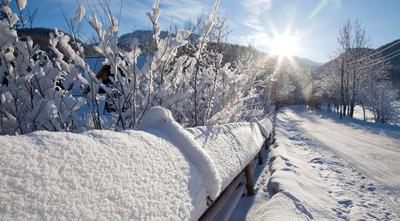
x=164, y=172
x=230, y=146
x=266, y=125
x=100, y=175
x=161, y=119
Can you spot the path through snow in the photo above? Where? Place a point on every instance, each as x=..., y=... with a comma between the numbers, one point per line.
x=323, y=169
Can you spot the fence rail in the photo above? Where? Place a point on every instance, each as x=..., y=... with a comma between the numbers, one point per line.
x=244, y=178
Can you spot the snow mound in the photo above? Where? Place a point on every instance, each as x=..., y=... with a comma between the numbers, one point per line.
x=266, y=125
x=98, y=175
x=161, y=119
x=280, y=207
x=230, y=146
x=162, y=173
x=293, y=179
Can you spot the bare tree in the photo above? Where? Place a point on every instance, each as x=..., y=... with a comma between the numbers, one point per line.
x=360, y=44
x=358, y=76
x=345, y=42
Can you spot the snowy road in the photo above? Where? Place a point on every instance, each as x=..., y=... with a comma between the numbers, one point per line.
x=331, y=169
x=376, y=155
x=369, y=150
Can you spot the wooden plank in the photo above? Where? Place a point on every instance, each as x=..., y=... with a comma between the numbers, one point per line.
x=219, y=203
x=261, y=155
x=267, y=143
x=249, y=179
x=273, y=140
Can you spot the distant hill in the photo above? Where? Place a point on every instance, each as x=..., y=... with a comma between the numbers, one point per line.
x=394, y=61
x=307, y=63
x=231, y=52
x=144, y=37
x=41, y=37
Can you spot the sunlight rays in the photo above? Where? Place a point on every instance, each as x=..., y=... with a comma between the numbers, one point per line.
x=285, y=45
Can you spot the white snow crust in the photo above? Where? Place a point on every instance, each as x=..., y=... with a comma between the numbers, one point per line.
x=266, y=125
x=161, y=119
x=231, y=146
x=98, y=175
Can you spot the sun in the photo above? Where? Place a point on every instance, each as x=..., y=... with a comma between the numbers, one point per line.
x=285, y=45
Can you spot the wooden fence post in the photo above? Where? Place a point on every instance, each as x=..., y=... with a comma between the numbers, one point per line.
x=249, y=178
x=261, y=155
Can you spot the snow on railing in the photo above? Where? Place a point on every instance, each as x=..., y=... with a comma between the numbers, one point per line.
x=162, y=171
x=161, y=119
x=246, y=141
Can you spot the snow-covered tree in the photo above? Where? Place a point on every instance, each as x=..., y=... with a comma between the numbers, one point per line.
x=377, y=92
x=281, y=87
x=37, y=89
x=357, y=76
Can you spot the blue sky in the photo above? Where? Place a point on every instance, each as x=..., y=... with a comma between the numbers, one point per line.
x=254, y=22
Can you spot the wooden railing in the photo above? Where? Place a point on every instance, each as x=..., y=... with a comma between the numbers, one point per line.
x=244, y=178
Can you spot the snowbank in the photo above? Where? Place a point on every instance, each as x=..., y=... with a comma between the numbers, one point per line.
x=98, y=175
x=294, y=182
x=279, y=207
x=162, y=173
x=230, y=146
x=161, y=119
x=266, y=125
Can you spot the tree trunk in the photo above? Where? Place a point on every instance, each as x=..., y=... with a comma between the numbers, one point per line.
x=195, y=94
x=351, y=114
x=249, y=179
x=329, y=107
x=353, y=96
x=344, y=110
x=341, y=90
x=363, y=108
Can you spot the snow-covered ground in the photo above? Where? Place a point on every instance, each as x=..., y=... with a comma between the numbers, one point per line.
x=396, y=105
x=358, y=114
x=369, y=115
x=325, y=169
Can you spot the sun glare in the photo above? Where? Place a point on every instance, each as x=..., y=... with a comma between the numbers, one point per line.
x=284, y=45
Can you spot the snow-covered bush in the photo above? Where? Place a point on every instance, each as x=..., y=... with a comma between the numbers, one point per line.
x=377, y=93
x=281, y=87
x=237, y=101
x=38, y=89
x=184, y=76
x=34, y=91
